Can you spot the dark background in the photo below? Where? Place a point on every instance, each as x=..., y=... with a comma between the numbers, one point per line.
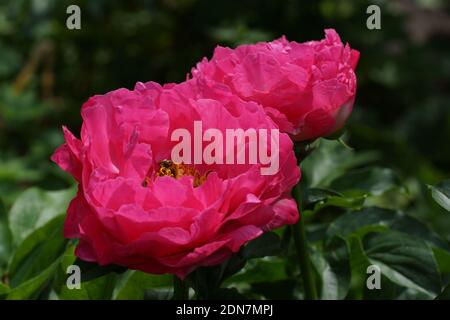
x=48, y=71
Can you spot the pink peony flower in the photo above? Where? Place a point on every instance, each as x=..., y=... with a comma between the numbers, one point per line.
x=308, y=88
x=138, y=209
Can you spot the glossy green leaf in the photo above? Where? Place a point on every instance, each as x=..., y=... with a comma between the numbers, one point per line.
x=34, y=208
x=33, y=287
x=392, y=291
x=375, y=181
x=393, y=226
x=268, y=244
x=92, y=270
x=333, y=268
x=441, y=194
x=37, y=252
x=360, y=222
x=206, y=280
x=158, y=294
x=405, y=260
x=260, y=270
x=330, y=161
x=443, y=260
x=358, y=266
x=354, y=200
x=373, y=219
x=100, y=288
x=311, y=196
x=445, y=294
x=134, y=285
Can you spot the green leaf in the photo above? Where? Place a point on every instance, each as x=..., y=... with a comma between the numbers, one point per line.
x=445, y=294
x=330, y=161
x=5, y=238
x=443, y=260
x=268, y=244
x=376, y=181
x=389, y=290
x=33, y=287
x=333, y=267
x=260, y=270
x=405, y=260
x=37, y=252
x=206, y=280
x=134, y=285
x=34, y=208
x=353, y=200
x=100, y=288
x=92, y=270
x=311, y=196
x=373, y=219
x=159, y=294
x=354, y=226
x=441, y=194
x=358, y=266
x=360, y=223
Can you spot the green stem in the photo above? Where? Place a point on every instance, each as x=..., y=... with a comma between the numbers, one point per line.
x=180, y=289
x=301, y=245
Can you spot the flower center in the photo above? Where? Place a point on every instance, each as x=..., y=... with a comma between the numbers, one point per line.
x=168, y=168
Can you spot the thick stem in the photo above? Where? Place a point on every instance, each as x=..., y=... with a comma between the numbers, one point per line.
x=301, y=245
x=180, y=289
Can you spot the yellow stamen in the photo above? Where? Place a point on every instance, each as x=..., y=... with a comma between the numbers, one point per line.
x=168, y=168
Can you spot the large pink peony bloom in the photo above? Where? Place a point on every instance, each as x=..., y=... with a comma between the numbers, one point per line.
x=307, y=88
x=127, y=213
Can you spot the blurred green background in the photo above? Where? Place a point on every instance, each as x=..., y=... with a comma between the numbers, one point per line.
x=47, y=72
